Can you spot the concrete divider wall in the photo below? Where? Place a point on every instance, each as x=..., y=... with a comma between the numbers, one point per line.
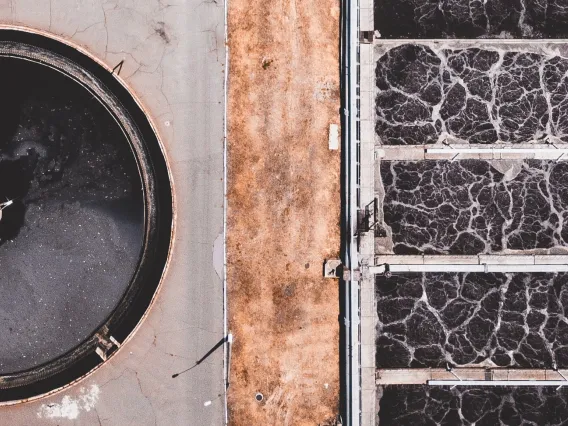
x=463, y=152
x=412, y=376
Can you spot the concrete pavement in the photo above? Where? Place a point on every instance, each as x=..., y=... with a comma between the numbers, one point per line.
x=173, y=55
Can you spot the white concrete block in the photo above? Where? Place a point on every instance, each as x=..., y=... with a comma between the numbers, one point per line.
x=368, y=418
x=394, y=259
x=485, y=156
x=368, y=329
x=367, y=173
x=506, y=259
x=367, y=133
x=403, y=153
x=527, y=268
x=449, y=260
x=366, y=56
x=402, y=376
x=367, y=295
x=550, y=259
x=366, y=105
x=367, y=81
x=368, y=315
x=497, y=383
x=436, y=268
x=366, y=19
x=367, y=378
x=445, y=156
x=333, y=137
x=367, y=356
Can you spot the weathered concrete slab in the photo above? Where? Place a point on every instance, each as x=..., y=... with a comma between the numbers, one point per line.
x=173, y=61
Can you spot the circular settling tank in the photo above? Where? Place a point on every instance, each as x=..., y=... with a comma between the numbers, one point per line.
x=86, y=214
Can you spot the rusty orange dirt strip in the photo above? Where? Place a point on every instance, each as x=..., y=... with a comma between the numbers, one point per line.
x=283, y=211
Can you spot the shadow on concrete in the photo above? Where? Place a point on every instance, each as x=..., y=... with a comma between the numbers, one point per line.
x=203, y=358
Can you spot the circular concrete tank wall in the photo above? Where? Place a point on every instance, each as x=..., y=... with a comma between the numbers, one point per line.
x=87, y=213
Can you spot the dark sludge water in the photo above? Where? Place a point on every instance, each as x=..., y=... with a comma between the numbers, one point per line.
x=472, y=406
x=470, y=95
x=475, y=206
x=396, y=19
x=71, y=241
x=493, y=320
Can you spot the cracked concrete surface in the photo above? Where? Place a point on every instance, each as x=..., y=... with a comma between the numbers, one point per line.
x=173, y=55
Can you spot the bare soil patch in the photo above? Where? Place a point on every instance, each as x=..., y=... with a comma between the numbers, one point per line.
x=283, y=215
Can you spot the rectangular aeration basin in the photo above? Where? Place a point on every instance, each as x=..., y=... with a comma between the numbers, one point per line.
x=474, y=207
x=471, y=93
x=426, y=19
x=511, y=320
x=467, y=405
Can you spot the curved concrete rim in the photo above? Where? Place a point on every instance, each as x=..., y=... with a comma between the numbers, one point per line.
x=172, y=185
